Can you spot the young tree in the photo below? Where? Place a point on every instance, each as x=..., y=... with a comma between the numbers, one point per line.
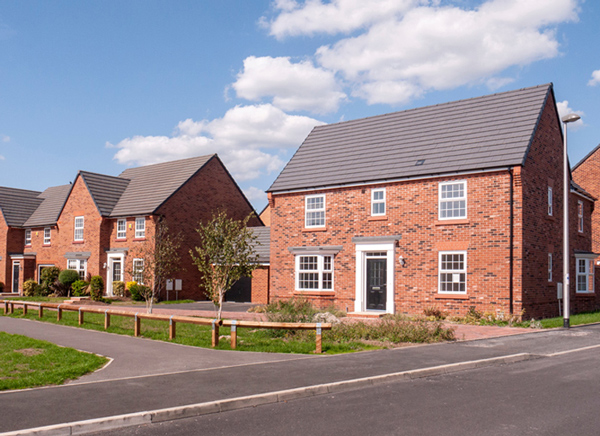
x=157, y=260
x=225, y=255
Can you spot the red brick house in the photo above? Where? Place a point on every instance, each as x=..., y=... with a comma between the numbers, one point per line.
x=452, y=206
x=98, y=224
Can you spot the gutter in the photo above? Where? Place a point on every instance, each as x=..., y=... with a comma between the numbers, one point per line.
x=511, y=240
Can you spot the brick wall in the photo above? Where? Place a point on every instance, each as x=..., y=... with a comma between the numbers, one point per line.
x=260, y=285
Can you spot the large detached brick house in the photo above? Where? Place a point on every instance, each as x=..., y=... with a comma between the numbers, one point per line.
x=452, y=206
x=97, y=224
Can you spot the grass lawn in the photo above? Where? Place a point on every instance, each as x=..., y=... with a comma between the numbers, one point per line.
x=579, y=319
x=27, y=362
x=262, y=340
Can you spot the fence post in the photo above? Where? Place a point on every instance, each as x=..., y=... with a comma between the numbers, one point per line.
x=318, y=350
x=5, y=307
x=24, y=309
x=41, y=312
x=172, y=328
x=215, y=333
x=233, y=334
x=80, y=317
x=12, y=308
x=136, y=326
x=106, y=319
x=58, y=313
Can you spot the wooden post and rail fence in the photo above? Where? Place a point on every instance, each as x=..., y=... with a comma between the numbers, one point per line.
x=9, y=307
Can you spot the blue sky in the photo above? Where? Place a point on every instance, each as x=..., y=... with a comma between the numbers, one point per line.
x=105, y=85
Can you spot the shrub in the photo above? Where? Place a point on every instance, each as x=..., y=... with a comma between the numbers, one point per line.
x=31, y=288
x=67, y=277
x=136, y=291
x=48, y=276
x=294, y=310
x=80, y=288
x=96, y=288
x=434, y=312
x=118, y=288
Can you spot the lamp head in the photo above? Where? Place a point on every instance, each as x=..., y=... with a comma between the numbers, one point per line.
x=570, y=118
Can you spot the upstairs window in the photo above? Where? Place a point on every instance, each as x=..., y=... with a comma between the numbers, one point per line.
x=585, y=275
x=452, y=200
x=550, y=201
x=580, y=216
x=28, y=237
x=549, y=267
x=47, y=234
x=378, y=202
x=140, y=228
x=314, y=272
x=121, y=229
x=314, y=211
x=78, y=234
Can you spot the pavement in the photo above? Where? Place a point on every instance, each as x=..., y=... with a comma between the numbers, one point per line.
x=150, y=381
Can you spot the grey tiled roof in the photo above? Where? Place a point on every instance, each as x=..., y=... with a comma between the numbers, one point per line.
x=263, y=248
x=53, y=200
x=480, y=133
x=105, y=190
x=17, y=205
x=151, y=185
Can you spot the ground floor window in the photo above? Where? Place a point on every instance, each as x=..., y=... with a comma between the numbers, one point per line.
x=138, y=271
x=314, y=272
x=79, y=265
x=453, y=272
x=585, y=275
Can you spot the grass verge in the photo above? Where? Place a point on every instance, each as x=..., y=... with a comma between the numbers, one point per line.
x=27, y=363
x=342, y=338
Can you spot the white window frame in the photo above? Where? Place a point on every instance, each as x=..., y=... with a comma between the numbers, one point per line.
x=27, y=236
x=47, y=235
x=78, y=228
x=587, y=274
x=549, y=267
x=447, y=200
x=580, y=216
x=137, y=273
x=140, y=228
x=310, y=214
x=322, y=272
x=79, y=265
x=378, y=202
x=550, y=209
x=454, y=272
x=122, y=233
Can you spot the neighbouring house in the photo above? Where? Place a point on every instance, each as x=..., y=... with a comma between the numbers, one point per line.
x=99, y=224
x=453, y=206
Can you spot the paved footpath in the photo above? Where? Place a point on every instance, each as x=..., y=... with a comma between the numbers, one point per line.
x=147, y=376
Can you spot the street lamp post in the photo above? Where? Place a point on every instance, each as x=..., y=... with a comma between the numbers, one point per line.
x=566, y=188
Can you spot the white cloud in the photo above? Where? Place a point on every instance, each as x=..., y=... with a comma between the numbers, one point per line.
x=247, y=139
x=337, y=16
x=255, y=195
x=293, y=86
x=564, y=109
x=5, y=138
x=446, y=47
x=595, y=80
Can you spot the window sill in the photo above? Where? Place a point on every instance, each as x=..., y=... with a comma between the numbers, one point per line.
x=121, y=240
x=78, y=242
x=47, y=245
x=451, y=297
x=27, y=245
x=585, y=294
x=314, y=229
x=317, y=293
x=139, y=239
x=377, y=218
x=451, y=222
x=550, y=217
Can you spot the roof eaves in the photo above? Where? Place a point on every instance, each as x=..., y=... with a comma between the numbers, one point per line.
x=587, y=156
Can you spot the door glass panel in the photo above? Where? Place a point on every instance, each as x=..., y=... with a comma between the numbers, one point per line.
x=116, y=271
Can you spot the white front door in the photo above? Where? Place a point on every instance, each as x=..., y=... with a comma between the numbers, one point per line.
x=374, y=277
x=15, y=276
x=115, y=273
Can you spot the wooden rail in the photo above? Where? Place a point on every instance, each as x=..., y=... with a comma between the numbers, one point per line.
x=172, y=319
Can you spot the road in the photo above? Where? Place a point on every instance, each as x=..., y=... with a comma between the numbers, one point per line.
x=557, y=395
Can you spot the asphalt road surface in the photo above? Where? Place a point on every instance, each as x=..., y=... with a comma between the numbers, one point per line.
x=558, y=395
